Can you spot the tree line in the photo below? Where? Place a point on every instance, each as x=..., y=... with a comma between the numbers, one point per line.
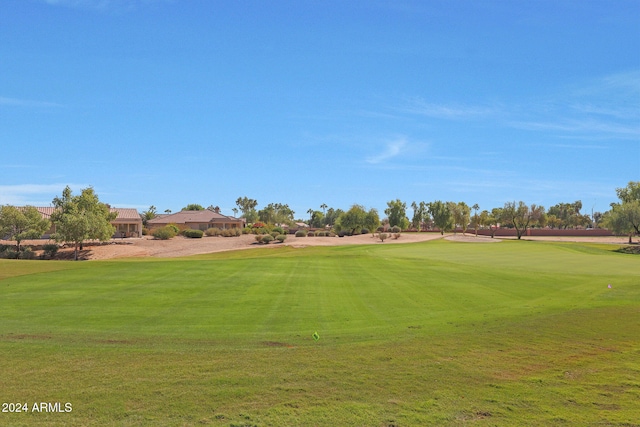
x=83, y=217
x=623, y=217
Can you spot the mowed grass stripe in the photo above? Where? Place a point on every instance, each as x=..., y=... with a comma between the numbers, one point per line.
x=438, y=333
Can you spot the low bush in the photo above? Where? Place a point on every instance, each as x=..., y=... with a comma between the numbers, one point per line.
x=145, y=231
x=396, y=236
x=275, y=234
x=214, y=231
x=267, y=238
x=301, y=233
x=164, y=233
x=258, y=238
x=26, y=253
x=193, y=234
x=383, y=236
x=395, y=229
x=364, y=231
x=175, y=228
x=231, y=232
x=246, y=230
x=280, y=230
x=281, y=238
x=50, y=250
x=9, y=253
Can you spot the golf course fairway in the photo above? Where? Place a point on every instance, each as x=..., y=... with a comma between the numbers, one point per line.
x=436, y=333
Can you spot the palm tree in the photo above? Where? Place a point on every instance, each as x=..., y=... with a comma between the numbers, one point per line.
x=235, y=212
x=475, y=208
x=310, y=212
x=323, y=207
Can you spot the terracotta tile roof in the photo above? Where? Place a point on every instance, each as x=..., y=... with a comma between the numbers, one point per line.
x=185, y=217
x=124, y=214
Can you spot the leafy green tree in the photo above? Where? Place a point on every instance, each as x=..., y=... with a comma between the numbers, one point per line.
x=624, y=217
x=567, y=215
x=80, y=218
x=317, y=219
x=276, y=213
x=420, y=215
x=248, y=208
x=629, y=193
x=397, y=214
x=193, y=207
x=332, y=216
x=441, y=215
x=372, y=220
x=20, y=224
x=461, y=214
x=521, y=216
x=352, y=220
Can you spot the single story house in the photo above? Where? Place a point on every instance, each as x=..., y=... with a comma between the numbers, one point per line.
x=196, y=220
x=128, y=223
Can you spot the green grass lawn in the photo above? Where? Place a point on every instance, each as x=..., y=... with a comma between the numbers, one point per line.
x=436, y=333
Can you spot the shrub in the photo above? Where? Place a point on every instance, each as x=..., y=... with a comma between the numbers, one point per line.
x=145, y=231
x=396, y=236
x=301, y=233
x=267, y=238
x=395, y=229
x=281, y=238
x=383, y=236
x=213, y=231
x=165, y=233
x=280, y=230
x=232, y=232
x=246, y=230
x=175, y=228
x=50, y=250
x=274, y=234
x=364, y=231
x=26, y=253
x=258, y=238
x=193, y=234
x=9, y=253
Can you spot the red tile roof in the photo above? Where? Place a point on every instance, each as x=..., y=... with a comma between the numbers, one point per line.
x=186, y=217
x=124, y=214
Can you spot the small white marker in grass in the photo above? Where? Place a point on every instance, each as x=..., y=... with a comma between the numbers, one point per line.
x=609, y=286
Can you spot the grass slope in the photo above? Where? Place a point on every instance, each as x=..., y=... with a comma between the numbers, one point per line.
x=437, y=333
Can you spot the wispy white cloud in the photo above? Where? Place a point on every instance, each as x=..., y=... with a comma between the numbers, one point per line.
x=605, y=108
x=15, y=102
x=446, y=111
x=33, y=194
x=585, y=127
x=391, y=150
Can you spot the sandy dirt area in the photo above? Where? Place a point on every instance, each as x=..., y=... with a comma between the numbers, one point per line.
x=182, y=246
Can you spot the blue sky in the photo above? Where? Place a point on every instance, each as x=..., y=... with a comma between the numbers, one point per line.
x=166, y=103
